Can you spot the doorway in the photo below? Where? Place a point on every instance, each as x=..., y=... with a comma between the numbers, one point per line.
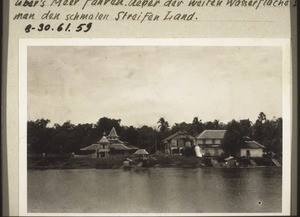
x=248, y=153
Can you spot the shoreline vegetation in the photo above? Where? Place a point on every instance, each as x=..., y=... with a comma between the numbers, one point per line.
x=69, y=138
x=63, y=146
x=155, y=161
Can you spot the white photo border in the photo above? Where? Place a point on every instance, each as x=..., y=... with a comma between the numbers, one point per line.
x=284, y=43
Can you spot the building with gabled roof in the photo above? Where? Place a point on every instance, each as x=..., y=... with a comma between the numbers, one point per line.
x=100, y=148
x=178, y=142
x=110, y=145
x=211, y=134
x=251, y=149
x=210, y=142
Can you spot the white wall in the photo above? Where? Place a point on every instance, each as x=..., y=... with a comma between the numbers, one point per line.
x=207, y=141
x=211, y=151
x=253, y=152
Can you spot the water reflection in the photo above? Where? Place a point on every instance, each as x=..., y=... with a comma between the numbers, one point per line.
x=155, y=190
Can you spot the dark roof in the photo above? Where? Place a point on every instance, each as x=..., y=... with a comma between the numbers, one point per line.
x=211, y=134
x=253, y=145
x=178, y=135
x=116, y=144
x=91, y=147
x=120, y=146
x=141, y=152
x=132, y=147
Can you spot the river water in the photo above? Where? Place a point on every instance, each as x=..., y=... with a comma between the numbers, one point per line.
x=155, y=190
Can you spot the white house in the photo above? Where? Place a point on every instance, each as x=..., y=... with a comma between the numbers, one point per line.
x=251, y=149
x=210, y=142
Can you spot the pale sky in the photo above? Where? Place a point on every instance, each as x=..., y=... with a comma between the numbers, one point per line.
x=141, y=84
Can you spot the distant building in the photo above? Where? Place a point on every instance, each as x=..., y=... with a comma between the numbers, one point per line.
x=110, y=145
x=178, y=142
x=99, y=149
x=251, y=149
x=210, y=142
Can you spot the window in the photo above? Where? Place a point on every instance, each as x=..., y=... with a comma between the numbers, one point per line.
x=204, y=141
x=207, y=152
x=213, y=141
x=216, y=151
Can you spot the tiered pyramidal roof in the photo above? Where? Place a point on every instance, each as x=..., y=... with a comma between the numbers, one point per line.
x=113, y=134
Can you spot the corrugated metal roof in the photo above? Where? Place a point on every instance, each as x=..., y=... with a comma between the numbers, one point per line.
x=141, y=152
x=132, y=147
x=91, y=147
x=178, y=135
x=120, y=146
x=113, y=133
x=104, y=140
x=253, y=145
x=211, y=134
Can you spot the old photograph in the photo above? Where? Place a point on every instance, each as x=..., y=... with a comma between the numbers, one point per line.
x=155, y=128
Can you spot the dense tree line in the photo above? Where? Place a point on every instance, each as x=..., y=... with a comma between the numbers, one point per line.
x=68, y=138
x=266, y=132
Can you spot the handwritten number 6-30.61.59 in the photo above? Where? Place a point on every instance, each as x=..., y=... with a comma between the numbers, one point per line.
x=65, y=27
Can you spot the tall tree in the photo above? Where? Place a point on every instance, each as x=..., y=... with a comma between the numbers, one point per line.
x=246, y=127
x=197, y=126
x=214, y=125
x=148, y=138
x=163, y=128
x=130, y=135
x=163, y=125
x=39, y=136
x=180, y=127
x=106, y=124
x=276, y=140
x=262, y=117
x=270, y=134
x=234, y=138
x=258, y=127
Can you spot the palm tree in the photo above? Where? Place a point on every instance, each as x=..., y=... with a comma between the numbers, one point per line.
x=197, y=126
x=163, y=125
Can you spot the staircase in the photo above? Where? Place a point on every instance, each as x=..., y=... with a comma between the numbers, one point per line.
x=253, y=163
x=276, y=162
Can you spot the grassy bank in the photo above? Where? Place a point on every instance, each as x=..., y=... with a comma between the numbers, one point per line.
x=116, y=162
x=75, y=163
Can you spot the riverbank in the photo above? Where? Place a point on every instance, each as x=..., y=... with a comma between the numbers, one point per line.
x=116, y=162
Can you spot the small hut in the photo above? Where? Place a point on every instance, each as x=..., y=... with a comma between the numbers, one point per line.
x=142, y=154
x=231, y=162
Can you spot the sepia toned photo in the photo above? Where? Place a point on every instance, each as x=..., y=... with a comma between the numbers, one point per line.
x=155, y=127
